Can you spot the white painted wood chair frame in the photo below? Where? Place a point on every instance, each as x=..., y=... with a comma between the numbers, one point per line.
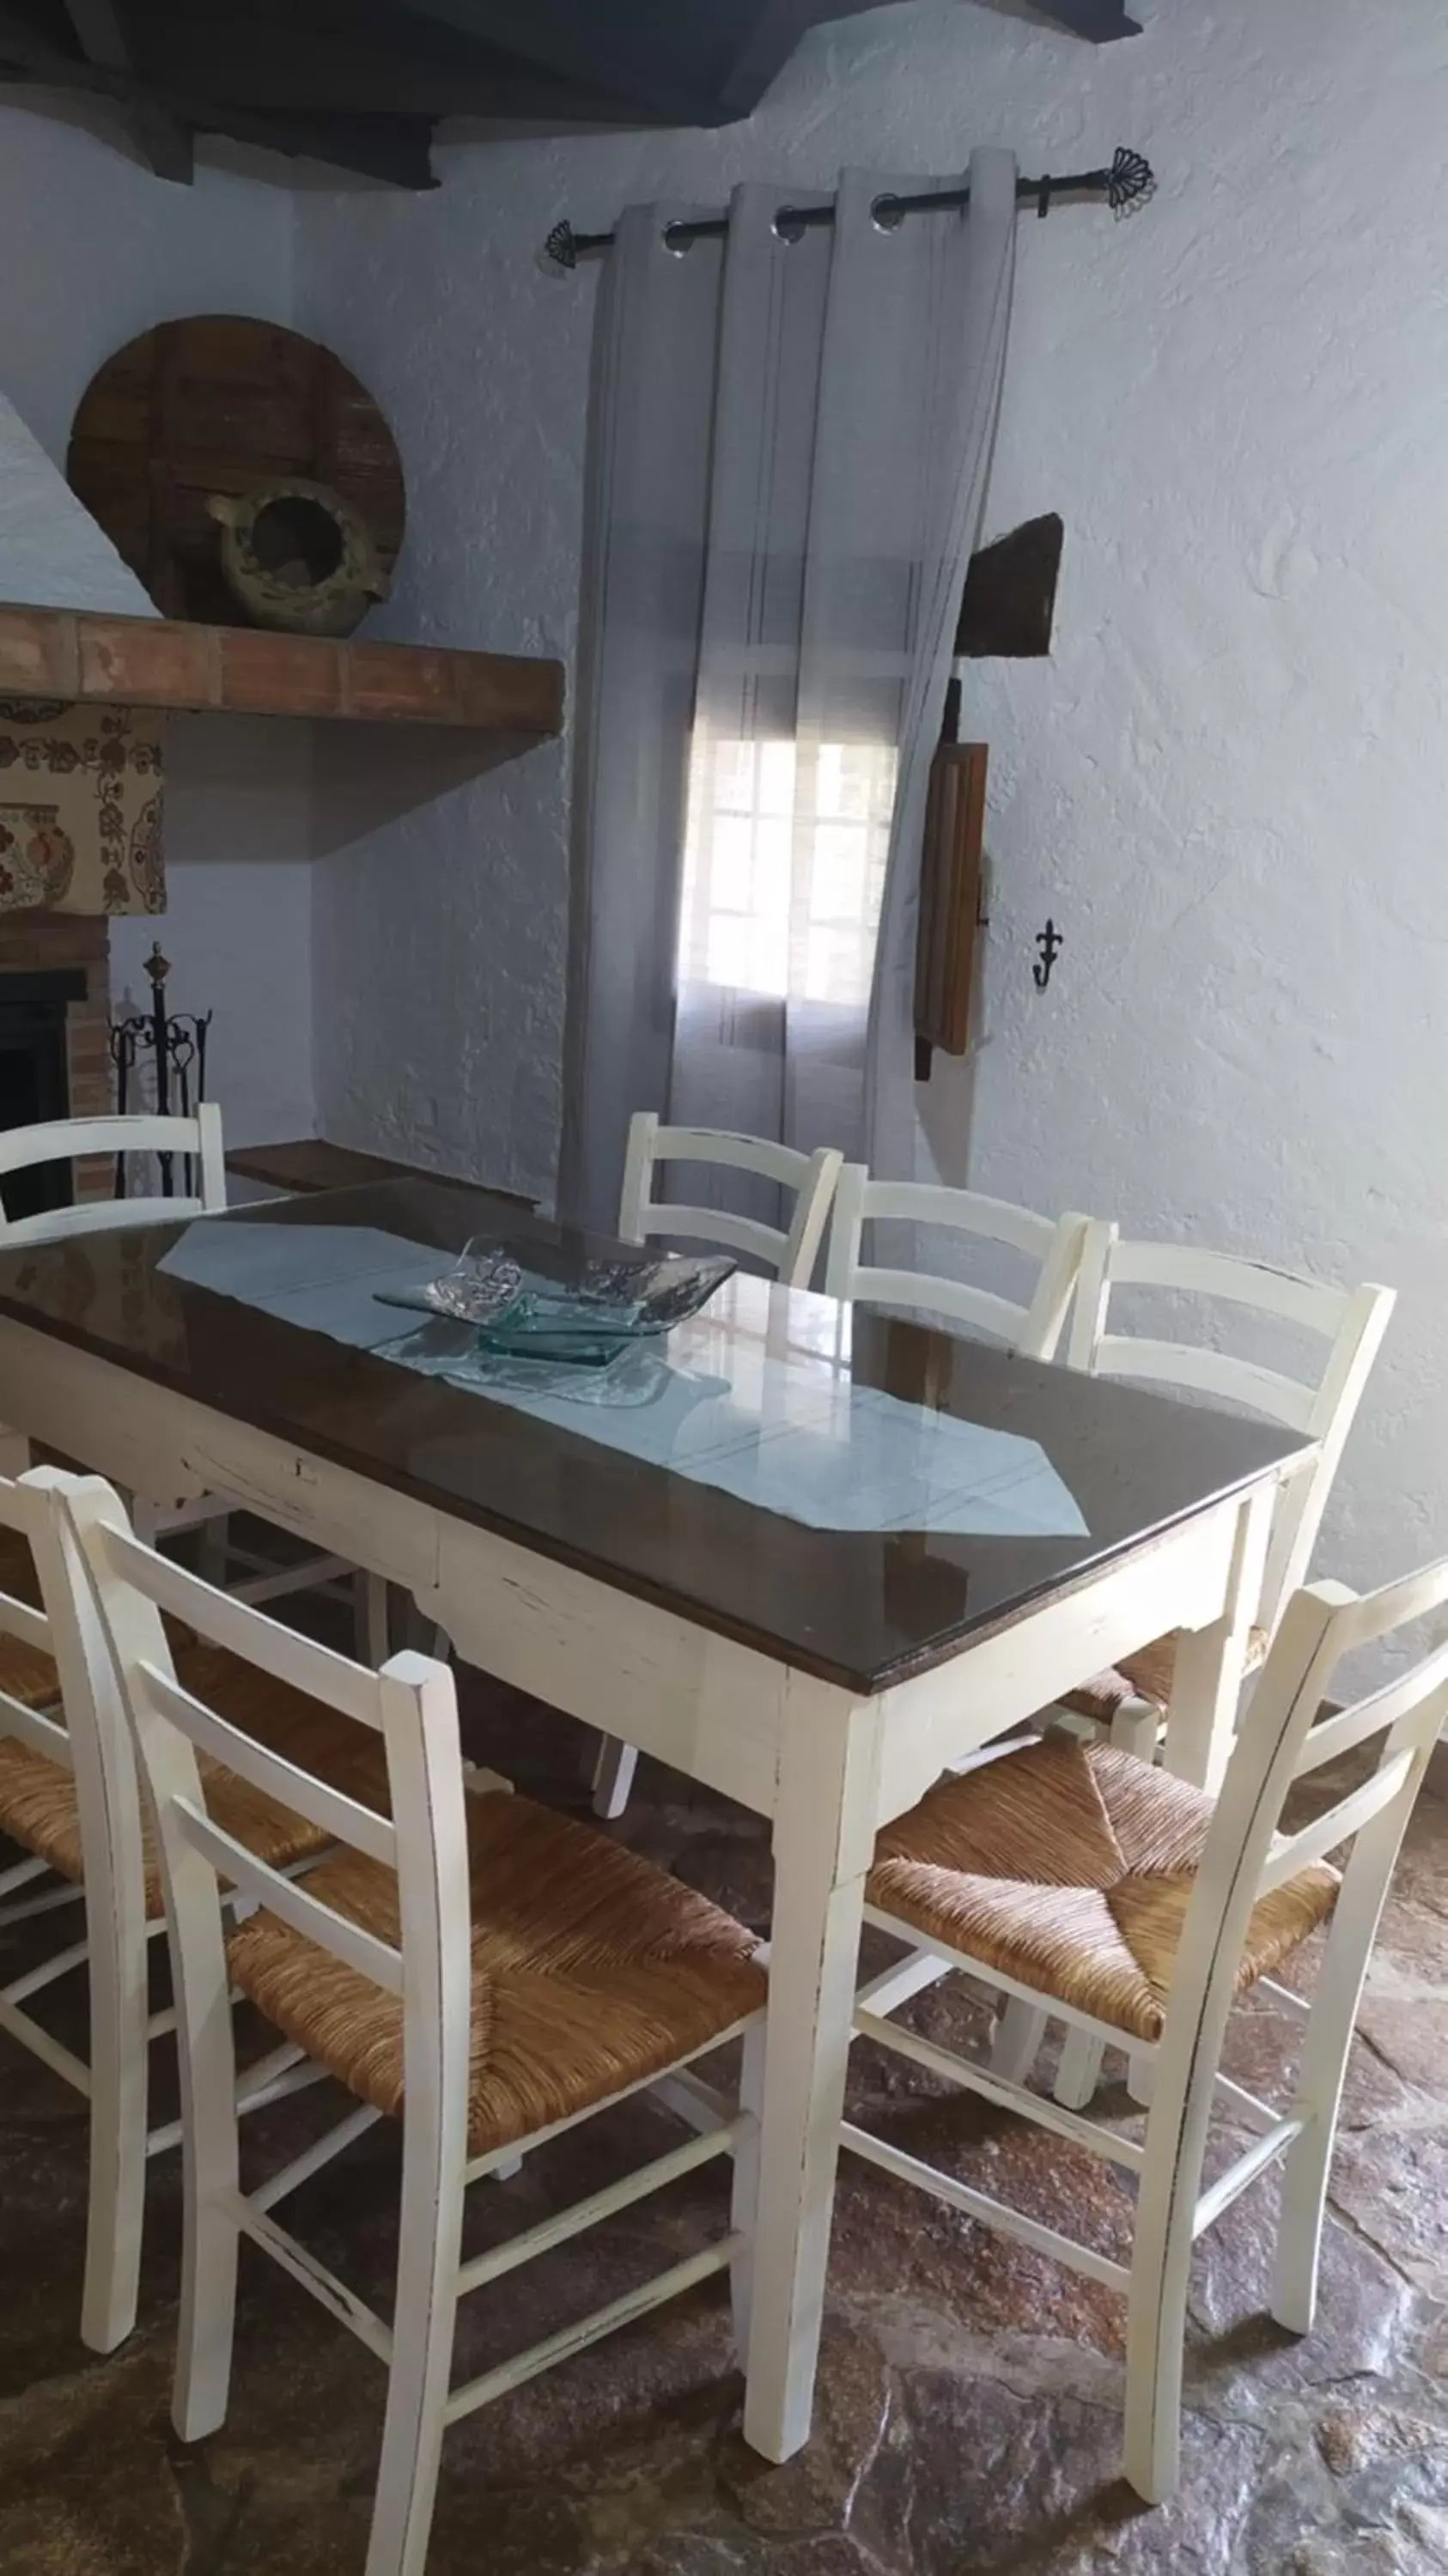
x=197, y=1138
x=412, y=1703
x=809, y=1178
x=825, y=1763
x=1053, y=1245
x=1350, y=1321
x=1246, y=1856
x=113, y=1950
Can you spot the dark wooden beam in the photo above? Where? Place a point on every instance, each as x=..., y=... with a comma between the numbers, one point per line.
x=1101, y=22
x=777, y=30
x=1010, y=592
x=395, y=149
x=102, y=37
x=166, y=142
x=587, y=41
x=263, y=62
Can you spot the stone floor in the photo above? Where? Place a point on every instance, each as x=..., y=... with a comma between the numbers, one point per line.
x=969, y=2395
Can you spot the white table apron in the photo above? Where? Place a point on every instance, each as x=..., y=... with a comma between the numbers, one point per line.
x=826, y=1765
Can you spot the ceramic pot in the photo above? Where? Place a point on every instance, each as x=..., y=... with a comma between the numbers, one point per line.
x=298, y=557
x=37, y=858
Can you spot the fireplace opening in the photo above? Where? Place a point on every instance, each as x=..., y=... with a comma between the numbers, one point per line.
x=35, y=1078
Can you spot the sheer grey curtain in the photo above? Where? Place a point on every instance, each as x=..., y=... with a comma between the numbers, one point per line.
x=790, y=446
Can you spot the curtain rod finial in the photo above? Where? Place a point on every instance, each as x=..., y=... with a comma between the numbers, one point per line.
x=1132, y=182
x=559, y=254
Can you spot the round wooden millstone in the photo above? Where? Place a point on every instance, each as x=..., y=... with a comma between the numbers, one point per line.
x=221, y=405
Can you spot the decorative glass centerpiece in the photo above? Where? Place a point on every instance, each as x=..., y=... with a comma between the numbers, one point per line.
x=585, y=1318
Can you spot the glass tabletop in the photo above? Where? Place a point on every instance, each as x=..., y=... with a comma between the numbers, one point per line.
x=849, y=1492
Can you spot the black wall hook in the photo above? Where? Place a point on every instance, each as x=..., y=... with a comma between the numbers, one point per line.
x=1050, y=942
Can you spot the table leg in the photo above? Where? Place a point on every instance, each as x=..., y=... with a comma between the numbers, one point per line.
x=823, y=1840
x=1211, y=1662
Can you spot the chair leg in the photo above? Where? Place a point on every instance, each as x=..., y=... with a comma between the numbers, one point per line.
x=213, y=1551
x=208, y=2268
x=118, y=2062
x=1140, y=2076
x=1078, y=2076
x=1136, y=1728
x=1161, y=2262
x=1017, y=2042
x=211, y=2237
x=423, y=2321
x=1305, y=2171
x=746, y=2185
x=1155, y=2342
x=613, y=1775
x=1308, y=2161
x=372, y=1618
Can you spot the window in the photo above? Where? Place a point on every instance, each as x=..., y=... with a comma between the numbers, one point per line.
x=784, y=866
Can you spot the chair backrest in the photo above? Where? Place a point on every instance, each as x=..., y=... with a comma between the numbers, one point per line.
x=109, y=1591
x=24, y=1513
x=808, y=1179
x=95, y=1751
x=1052, y=1246
x=196, y=1138
x=1350, y=1322
x=1248, y=1857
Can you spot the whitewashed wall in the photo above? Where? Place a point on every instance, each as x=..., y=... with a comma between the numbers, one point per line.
x=95, y=250
x=1228, y=786
x=238, y=920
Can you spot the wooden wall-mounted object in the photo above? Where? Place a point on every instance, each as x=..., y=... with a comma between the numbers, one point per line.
x=1009, y=603
x=950, y=890
x=221, y=404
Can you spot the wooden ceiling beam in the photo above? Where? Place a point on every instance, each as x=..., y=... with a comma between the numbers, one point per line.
x=581, y=41
x=395, y=149
x=1100, y=22
x=267, y=65
x=166, y=142
x=102, y=37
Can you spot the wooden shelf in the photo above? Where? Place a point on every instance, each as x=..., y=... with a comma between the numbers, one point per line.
x=160, y=662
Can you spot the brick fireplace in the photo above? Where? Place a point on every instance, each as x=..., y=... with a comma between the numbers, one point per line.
x=55, y=996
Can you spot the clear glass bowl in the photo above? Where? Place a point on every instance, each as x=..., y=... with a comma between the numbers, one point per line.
x=583, y=1320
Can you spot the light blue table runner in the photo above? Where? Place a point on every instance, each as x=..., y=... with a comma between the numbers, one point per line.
x=785, y=1431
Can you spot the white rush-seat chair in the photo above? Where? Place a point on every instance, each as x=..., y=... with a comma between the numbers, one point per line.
x=69, y=1797
x=484, y=1970
x=1347, y=1324
x=806, y=1179
x=194, y=1140
x=1051, y=1248
x=1094, y=1886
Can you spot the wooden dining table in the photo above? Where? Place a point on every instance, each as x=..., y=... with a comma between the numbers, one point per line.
x=727, y=1608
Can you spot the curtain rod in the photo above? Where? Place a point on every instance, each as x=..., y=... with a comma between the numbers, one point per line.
x=1128, y=183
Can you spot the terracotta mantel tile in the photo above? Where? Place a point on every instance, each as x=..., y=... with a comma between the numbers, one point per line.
x=164, y=663
x=263, y=673
x=132, y=660
x=38, y=654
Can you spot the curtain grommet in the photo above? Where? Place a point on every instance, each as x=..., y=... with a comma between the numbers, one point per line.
x=788, y=225
x=887, y=214
x=677, y=239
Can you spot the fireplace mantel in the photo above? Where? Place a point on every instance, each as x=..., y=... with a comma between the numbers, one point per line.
x=163, y=663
